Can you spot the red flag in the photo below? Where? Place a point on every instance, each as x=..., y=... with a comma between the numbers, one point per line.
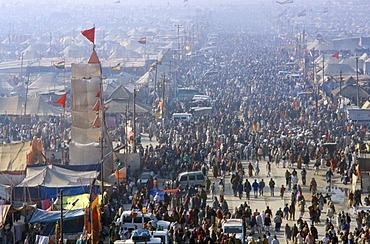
x=62, y=100
x=94, y=58
x=89, y=34
x=98, y=94
x=335, y=55
x=97, y=122
x=96, y=106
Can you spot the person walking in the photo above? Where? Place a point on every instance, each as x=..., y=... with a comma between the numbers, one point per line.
x=240, y=189
x=278, y=220
x=247, y=189
x=272, y=187
x=286, y=211
x=288, y=179
x=268, y=169
x=261, y=185
x=255, y=187
x=250, y=169
x=275, y=240
x=282, y=190
x=213, y=190
x=267, y=222
x=329, y=174
x=292, y=212
x=313, y=186
x=288, y=233
x=303, y=176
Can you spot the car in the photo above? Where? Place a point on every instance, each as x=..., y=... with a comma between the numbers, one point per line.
x=143, y=178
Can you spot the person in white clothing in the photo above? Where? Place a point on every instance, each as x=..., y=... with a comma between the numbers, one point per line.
x=269, y=237
x=325, y=239
x=275, y=240
x=259, y=221
x=157, y=198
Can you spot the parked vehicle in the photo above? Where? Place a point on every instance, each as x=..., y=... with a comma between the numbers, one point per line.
x=134, y=220
x=195, y=178
x=143, y=179
x=234, y=226
x=185, y=117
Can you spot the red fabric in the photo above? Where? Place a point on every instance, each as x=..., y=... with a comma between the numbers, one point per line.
x=62, y=100
x=97, y=122
x=98, y=94
x=89, y=34
x=45, y=204
x=335, y=55
x=94, y=58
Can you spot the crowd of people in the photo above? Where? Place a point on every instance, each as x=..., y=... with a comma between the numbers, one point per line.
x=258, y=117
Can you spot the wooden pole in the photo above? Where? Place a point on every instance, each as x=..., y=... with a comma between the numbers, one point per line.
x=61, y=217
x=134, y=122
x=163, y=95
x=358, y=87
x=340, y=88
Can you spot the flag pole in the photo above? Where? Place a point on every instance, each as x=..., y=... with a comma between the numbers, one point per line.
x=340, y=88
x=64, y=115
x=358, y=88
x=63, y=135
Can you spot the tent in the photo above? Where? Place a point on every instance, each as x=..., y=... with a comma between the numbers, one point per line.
x=13, y=162
x=35, y=106
x=45, y=182
x=42, y=216
x=121, y=92
x=119, y=106
x=45, y=84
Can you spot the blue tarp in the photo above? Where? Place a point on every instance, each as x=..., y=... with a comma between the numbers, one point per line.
x=89, y=167
x=42, y=216
x=154, y=191
x=42, y=192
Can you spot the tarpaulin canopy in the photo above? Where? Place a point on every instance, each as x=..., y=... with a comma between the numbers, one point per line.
x=13, y=156
x=76, y=202
x=42, y=216
x=3, y=213
x=35, y=106
x=54, y=176
x=45, y=182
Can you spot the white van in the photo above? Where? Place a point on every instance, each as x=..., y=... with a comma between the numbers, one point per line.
x=185, y=117
x=201, y=111
x=163, y=234
x=151, y=241
x=202, y=97
x=234, y=226
x=195, y=178
x=157, y=236
x=135, y=220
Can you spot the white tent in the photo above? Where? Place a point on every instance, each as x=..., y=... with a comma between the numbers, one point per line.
x=54, y=176
x=35, y=106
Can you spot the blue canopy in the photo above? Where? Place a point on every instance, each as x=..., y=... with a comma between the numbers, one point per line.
x=42, y=216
